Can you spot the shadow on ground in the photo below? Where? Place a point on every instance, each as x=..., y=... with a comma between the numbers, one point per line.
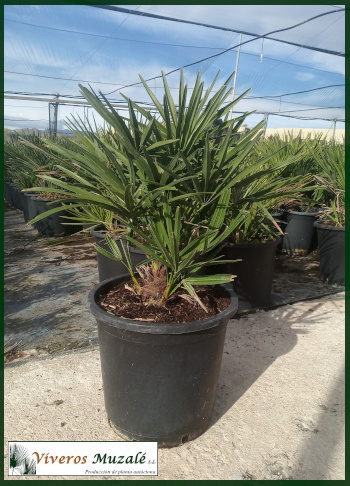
x=318, y=449
x=251, y=346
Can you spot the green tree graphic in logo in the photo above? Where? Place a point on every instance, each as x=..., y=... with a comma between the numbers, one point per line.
x=20, y=461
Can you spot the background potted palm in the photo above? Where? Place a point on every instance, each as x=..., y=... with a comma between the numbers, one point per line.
x=24, y=159
x=299, y=214
x=331, y=224
x=256, y=239
x=166, y=187
x=253, y=244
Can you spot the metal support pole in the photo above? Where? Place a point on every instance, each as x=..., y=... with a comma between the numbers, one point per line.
x=335, y=124
x=55, y=117
x=236, y=71
x=49, y=119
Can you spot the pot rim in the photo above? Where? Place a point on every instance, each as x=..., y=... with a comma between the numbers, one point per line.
x=96, y=231
x=45, y=200
x=102, y=236
x=276, y=241
x=303, y=213
x=319, y=225
x=158, y=327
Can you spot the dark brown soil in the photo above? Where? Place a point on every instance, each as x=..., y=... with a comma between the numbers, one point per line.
x=330, y=223
x=124, y=303
x=50, y=195
x=301, y=208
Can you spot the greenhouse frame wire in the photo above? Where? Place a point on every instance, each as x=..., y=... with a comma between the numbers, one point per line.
x=326, y=95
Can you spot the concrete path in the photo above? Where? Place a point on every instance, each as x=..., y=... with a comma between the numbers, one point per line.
x=279, y=412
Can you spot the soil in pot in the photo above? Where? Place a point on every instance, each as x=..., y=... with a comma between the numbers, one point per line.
x=331, y=241
x=122, y=302
x=159, y=379
x=108, y=268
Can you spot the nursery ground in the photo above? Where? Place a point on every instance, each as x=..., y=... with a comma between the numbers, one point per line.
x=47, y=283
x=279, y=412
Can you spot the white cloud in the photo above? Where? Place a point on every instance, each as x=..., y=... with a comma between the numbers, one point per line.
x=304, y=76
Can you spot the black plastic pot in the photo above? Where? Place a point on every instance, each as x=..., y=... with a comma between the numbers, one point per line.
x=300, y=233
x=52, y=225
x=280, y=217
x=7, y=191
x=15, y=195
x=24, y=205
x=159, y=380
x=108, y=268
x=254, y=272
x=87, y=226
x=31, y=206
x=331, y=242
x=26, y=196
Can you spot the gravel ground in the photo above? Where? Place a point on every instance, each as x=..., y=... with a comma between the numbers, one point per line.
x=279, y=412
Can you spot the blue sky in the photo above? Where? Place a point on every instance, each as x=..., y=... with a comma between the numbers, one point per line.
x=111, y=47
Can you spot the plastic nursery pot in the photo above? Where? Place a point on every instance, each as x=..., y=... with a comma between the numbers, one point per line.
x=28, y=209
x=15, y=196
x=7, y=192
x=24, y=200
x=300, y=233
x=331, y=242
x=86, y=226
x=31, y=206
x=280, y=217
x=159, y=380
x=108, y=268
x=254, y=272
x=52, y=225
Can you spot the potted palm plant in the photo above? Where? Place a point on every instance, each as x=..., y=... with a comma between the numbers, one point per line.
x=143, y=191
x=298, y=215
x=253, y=245
x=257, y=238
x=161, y=356
x=165, y=186
x=25, y=158
x=331, y=223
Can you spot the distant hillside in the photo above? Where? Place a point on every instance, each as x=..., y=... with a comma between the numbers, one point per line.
x=8, y=133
